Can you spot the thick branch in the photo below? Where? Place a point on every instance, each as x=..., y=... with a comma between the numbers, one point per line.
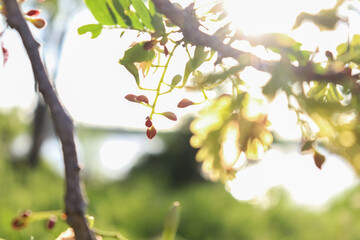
x=189, y=27
x=74, y=201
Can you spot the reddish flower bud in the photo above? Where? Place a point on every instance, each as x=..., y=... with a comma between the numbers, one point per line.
x=185, y=103
x=169, y=115
x=148, y=122
x=51, y=222
x=33, y=13
x=26, y=213
x=131, y=97
x=5, y=55
x=19, y=223
x=166, y=51
x=151, y=132
x=149, y=45
x=37, y=22
x=142, y=98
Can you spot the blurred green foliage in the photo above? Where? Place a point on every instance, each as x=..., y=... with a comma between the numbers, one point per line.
x=137, y=206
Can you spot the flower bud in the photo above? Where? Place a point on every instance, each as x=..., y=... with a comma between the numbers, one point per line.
x=51, y=222
x=149, y=44
x=32, y=13
x=37, y=22
x=169, y=115
x=185, y=103
x=148, y=122
x=131, y=97
x=151, y=132
x=142, y=98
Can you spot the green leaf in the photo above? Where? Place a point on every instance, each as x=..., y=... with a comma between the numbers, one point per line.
x=120, y=10
x=158, y=23
x=143, y=13
x=326, y=19
x=136, y=54
x=136, y=24
x=175, y=81
x=133, y=70
x=112, y=14
x=171, y=223
x=100, y=10
x=94, y=29
x=152, y=8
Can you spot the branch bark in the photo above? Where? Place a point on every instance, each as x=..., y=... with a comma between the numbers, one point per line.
x=74, y=202
x=189, y=26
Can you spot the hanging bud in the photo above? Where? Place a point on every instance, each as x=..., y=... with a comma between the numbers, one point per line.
x=169, y=115
x=51, y=222
x=5, y=55
x=185, y=103
x=131, y=97
x=142, y=98
x=148, y=122
x=18, y=223
x=319, y=159
x=32, y=13
x=37, y=22
x=151, y=132
x=166, y=51
x=149, y=44
x=329, y=55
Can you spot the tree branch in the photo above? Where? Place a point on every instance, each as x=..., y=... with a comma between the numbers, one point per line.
x=189, y=27
x=74, y=202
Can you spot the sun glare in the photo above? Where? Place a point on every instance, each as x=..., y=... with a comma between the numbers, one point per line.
x=263, y=16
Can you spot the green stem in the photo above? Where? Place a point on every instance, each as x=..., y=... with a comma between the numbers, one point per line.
x=161, y=81
x=109, y=234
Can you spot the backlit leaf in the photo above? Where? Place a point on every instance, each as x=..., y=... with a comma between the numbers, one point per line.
x=94, y=29
x=143, y=13
x=99, y=9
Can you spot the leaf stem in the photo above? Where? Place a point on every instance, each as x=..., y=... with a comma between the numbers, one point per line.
x=161, y=81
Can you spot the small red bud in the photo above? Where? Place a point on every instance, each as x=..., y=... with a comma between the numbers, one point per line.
x=185, y=103
x=51, y=222
x=19, y=223
x=148, y=122
x=149, y=45
x=5, y=55
x=151, y=132
x=170, y=115
x=166, y=51
x=37, y=22
x=26, y=213
x=142, y=98
x=33, y=13
x=131, y=97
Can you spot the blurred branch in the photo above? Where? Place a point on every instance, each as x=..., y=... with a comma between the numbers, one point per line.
x=189, y=26
x=74, y=201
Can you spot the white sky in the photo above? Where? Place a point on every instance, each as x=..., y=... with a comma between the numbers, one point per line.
x=92, y=86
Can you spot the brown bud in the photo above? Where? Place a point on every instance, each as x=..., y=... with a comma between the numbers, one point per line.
x=166, y=51
x=32, y=13
x=131, y=97
x=169, y=115
x=37, y=22
x=148, y=122
x=329, y=55
x=51, y=222
x=149, y=44
x=151, y=132
x=18, y=223
x=142, y=98
x=319, y=159
x=185, y=103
